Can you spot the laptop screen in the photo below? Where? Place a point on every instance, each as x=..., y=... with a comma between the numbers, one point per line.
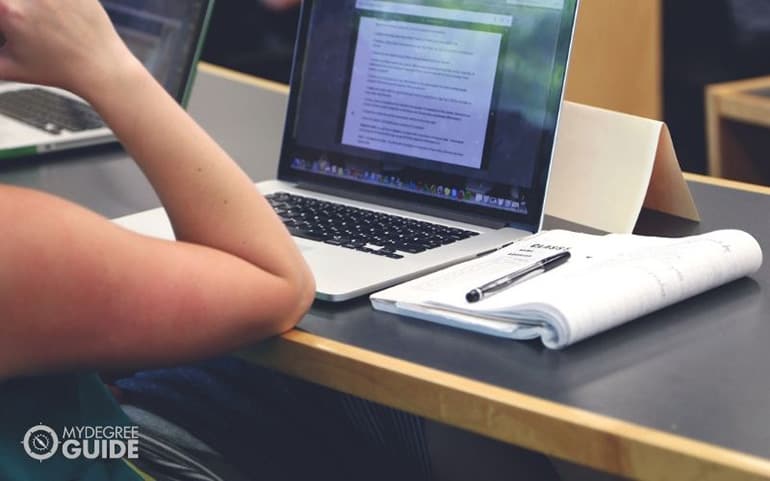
x=164, y=34
x=436, y=102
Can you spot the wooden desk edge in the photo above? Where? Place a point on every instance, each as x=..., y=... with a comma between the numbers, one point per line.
x=741, y=107
x=740, y=85
x=559, y=430
x=242, y=77
x=577, y=435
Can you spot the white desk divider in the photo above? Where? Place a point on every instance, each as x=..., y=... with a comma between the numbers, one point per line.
x=608, y=165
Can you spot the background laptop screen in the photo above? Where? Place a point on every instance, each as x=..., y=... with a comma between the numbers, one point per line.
x=453, y=102
x=163, y=34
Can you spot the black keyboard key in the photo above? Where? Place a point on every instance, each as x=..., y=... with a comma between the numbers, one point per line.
x=49, y=111
x=360, y=229
x=307, y=234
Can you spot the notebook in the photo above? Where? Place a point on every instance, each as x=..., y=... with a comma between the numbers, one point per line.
x=418, y=134
x=606, y=281
x=166, y=36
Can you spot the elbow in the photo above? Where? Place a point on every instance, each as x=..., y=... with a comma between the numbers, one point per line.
x=299, y=297
x=304, y=295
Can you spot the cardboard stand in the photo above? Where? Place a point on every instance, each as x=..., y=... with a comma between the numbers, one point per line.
x=608, y=165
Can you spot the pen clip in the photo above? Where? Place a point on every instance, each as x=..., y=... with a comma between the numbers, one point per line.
x=490, y=251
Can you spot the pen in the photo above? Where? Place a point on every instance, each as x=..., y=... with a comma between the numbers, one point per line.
x=497, y=285
x=482, y=254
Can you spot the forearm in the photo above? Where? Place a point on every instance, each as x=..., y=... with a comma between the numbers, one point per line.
x=208, y=198
x=104, y=296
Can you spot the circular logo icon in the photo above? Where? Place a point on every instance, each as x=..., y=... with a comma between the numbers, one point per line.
x=40, y=442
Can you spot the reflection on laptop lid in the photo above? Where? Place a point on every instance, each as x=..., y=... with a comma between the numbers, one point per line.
x=166, y=36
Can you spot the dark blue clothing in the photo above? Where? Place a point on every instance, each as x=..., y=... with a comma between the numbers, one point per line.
x=270, y=426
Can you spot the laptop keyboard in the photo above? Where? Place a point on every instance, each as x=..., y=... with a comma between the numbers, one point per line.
x=49, y=111
x=360, y=229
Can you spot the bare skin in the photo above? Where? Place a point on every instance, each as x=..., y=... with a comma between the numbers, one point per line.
x=280, y=5
x=76, y=291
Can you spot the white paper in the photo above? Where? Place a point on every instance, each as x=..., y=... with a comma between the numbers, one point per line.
x=608, y=280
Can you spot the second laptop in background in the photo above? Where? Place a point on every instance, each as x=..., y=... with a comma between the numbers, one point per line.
x=166, y=36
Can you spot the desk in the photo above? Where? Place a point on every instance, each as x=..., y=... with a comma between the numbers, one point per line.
x=738, y=126
x=679, y=395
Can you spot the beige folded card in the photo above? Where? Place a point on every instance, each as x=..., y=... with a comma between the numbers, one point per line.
x=608, y=165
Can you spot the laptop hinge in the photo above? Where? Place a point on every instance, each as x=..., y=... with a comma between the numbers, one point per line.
x=431, y=210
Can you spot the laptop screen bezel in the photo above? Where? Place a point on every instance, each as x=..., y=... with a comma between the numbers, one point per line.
x=532, y=221
x=182, y=95
x=190, y=62
x=201, y=31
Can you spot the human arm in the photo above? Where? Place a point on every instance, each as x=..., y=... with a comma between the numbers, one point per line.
x=78, y=291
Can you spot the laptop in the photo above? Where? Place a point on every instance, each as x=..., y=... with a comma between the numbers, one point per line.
x=166, y=36
x=419, y=134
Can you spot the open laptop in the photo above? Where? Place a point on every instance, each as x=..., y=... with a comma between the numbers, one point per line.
x=166, y=36
x=419, y=134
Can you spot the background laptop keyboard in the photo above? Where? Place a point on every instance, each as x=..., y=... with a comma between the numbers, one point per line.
x=360, y=229
x=49, y=111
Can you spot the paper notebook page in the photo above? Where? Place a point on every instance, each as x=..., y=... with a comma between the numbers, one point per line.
x=454, y=282
x=474, y=323
x=634, y=282
x=608, y=280
x=539, y=298
x=616, y=278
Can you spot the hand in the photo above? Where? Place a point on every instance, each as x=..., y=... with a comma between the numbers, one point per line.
x=73, y=46
x=280, y=5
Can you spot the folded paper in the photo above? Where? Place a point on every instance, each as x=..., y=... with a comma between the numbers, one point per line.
x=608, y=165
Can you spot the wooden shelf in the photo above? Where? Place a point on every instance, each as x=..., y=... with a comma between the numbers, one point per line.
x=738, y=130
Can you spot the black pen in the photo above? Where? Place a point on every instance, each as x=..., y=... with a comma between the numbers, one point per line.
x=497, y=285
x=490, y=251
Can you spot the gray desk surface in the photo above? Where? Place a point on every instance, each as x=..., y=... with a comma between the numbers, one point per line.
x=698, y=370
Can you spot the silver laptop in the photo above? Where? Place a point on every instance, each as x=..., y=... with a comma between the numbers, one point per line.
x=417, y=135
x=166, y=35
